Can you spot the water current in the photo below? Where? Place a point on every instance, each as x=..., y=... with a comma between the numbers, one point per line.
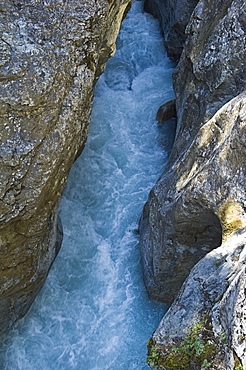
x=93, y=312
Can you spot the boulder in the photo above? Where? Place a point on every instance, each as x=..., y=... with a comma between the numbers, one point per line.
x=166, y=111
x=51, y=53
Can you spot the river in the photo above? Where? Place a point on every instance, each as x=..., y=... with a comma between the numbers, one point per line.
x=93, y=312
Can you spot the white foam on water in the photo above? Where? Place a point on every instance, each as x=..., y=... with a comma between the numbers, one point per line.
x=93, y=312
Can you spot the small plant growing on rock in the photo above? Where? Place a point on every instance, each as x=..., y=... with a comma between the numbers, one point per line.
x=223, y=338
x=206, y=364
x=237, y=363
x=195, y=351
x=238, y=367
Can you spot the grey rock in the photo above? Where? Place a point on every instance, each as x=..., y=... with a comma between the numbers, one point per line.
x=51, y=53
x=232, y=314
x=195, y=215
x=211, y=70
x=209, y=280
x=185, y=216
x=174, y=16
x=215, y=288
x=193, y=206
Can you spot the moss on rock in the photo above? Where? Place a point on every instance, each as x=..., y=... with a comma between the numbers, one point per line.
x=195, y=351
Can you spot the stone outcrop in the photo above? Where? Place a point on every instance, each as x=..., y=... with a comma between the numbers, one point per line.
x=230, y=316
x=166, y=111
x=197, y=208
x=174, y=16
x=51, y=53
x=194, y=205
x=215, y=289
x=185, y=215
x=201, y=291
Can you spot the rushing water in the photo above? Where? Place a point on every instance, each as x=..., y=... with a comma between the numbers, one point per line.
x=93, y=312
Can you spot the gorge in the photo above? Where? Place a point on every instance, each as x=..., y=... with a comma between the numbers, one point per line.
x=192, y=228
x=94, y=312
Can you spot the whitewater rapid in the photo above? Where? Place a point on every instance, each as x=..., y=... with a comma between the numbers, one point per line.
x=93, y=312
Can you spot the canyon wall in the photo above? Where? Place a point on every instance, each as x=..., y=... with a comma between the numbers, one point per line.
x=173, y=16
x=51, y=53
x=196, y=211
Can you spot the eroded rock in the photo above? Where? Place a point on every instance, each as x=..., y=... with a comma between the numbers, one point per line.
x=166, y=111
x=196, y=211
x=183, y=219
x=51, y=53
x=232, y=317
x=194, y=205
x=211, y=70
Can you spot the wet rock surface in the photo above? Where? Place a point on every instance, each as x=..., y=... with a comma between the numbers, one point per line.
x=51, y=53
x=166, y=111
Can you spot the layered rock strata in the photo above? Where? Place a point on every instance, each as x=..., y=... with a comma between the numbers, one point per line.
x=197, y=208
x=51, y=53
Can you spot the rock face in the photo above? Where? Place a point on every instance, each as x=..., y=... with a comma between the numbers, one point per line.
x=185, y=216
x=197, y=208
x=232, y=318
x=194, y=205
x=174, y=16
x=214, y=289
x=166, y=111
x=202, y=284
x=51, y=53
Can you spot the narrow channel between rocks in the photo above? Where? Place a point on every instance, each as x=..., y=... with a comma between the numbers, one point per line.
x=94, y=312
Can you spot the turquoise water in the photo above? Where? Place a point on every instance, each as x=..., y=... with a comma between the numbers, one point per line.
x=93, y=312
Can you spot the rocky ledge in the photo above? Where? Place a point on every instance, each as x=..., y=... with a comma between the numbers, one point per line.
x=51, y=53
x=192, y=228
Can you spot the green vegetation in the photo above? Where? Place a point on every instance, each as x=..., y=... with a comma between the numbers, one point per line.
x=237, y=363
x=197, y=349
x=223, y=338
